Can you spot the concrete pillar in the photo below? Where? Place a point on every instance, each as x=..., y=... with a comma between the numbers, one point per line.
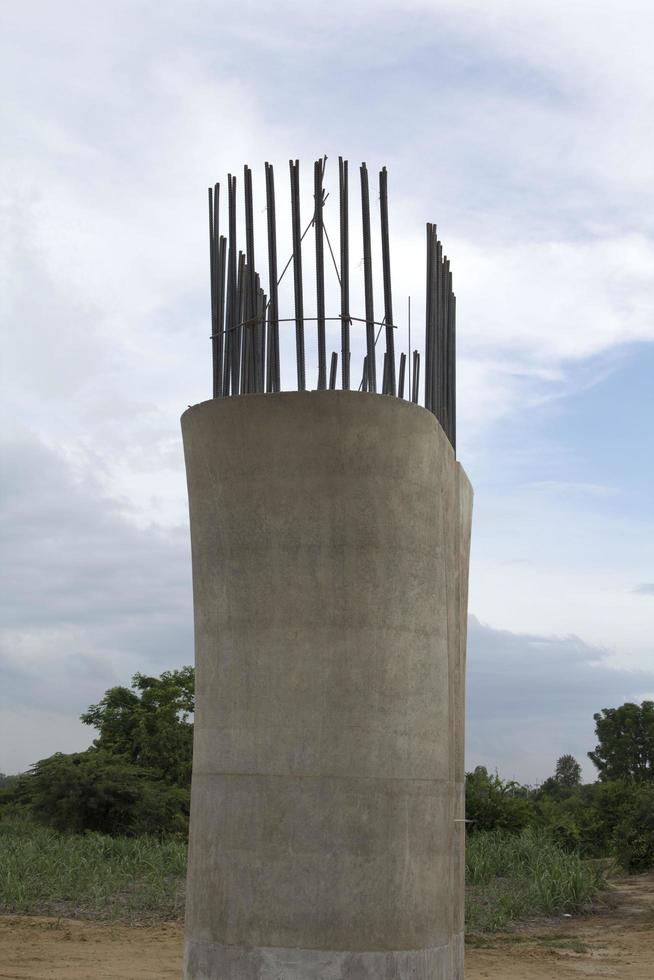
x=330, y=534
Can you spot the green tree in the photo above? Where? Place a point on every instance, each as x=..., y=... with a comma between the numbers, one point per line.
x=568, y=772
x=496, y=804
x=150, y=724
x=625, y=748
x=96, y=791
x=633, y=838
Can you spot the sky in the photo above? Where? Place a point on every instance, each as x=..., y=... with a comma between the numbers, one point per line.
x=523, y=129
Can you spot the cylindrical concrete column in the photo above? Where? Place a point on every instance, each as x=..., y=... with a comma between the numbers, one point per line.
x=330, y=536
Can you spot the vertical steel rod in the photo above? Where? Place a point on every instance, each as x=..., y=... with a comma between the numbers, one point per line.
x=453, y=372
x=220, y=319
x=320, y=272
x=345, y=273
x=241, y=332
x=235, y=318
x=263, y=346
x=212, y=283
x=437, y=305
x=408, y=348
x=416, y=377
x=446, y=353
x=400, y=384
x=257, y=336
x=251, y=291
x=273, y=379
x=429, y=318
x=333, y=370
x=367, y=281
x=218, y=346
x=297, y=273
x=386, y=268
x=443, y=331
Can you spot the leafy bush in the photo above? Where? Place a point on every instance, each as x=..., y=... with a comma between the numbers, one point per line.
x=633, y=837
x=611, y=818
x=495, y=804
x=95, y=791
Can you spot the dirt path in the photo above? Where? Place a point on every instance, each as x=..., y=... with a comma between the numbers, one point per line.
x=617, y=942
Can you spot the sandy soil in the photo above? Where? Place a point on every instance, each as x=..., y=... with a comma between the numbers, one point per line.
x=615, y=942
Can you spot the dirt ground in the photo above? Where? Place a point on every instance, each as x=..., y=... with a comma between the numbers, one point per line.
x=614, y=942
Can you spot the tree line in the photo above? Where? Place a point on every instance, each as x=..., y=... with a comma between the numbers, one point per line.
x=135, y=778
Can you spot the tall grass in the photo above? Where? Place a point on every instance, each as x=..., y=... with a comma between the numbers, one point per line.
x=509, y=876
x=517, y=876
x=49, y=873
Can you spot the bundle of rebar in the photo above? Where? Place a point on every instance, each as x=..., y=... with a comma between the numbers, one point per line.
x=245, y=319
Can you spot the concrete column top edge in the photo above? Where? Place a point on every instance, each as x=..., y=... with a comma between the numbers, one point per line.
x=365, y=400
x=402, y=404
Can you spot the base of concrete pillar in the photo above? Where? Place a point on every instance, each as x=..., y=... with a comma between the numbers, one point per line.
x=210, y=961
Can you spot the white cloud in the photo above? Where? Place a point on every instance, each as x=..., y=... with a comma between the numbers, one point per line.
x=531, y=698
x=522, y=128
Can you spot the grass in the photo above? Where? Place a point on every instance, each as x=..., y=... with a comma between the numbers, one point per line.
x=518, y=876
x=43, y=872
x=141, y=879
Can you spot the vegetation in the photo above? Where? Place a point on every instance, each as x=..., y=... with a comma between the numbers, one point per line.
x=610, y=819
x=45, y=872
x=103, y=832
x=568, y=772
x=96, y=791
x=149, y=725
x=515, y=876
x=135, y=778
x=626, y=742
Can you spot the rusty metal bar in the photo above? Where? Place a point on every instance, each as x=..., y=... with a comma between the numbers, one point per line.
x=235, y=311
x=443, y=334
x=400, y=384
x=386, y=270
x=241, y=332
x=251, y=291
x=297, y=273
x=437, y=353
x=273, y=373
x=345, y=272
x=453, y=371
x=429, y=324
x=212, y=284
x=258, y=338
x=220, y=319
x=446, y=350
x=416, y=377
x=367, y=280
x=320, y=271
x=333, y=370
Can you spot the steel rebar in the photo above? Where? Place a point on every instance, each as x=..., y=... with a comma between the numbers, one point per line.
x=345, y=272
x=416, y=377
x=367, y=280
x=386, y=270
x=320, y=271
x=332, y=371
x=400, y=384
x=297, y=273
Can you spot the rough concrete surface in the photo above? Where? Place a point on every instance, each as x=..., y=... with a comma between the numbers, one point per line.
x=330, y=535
